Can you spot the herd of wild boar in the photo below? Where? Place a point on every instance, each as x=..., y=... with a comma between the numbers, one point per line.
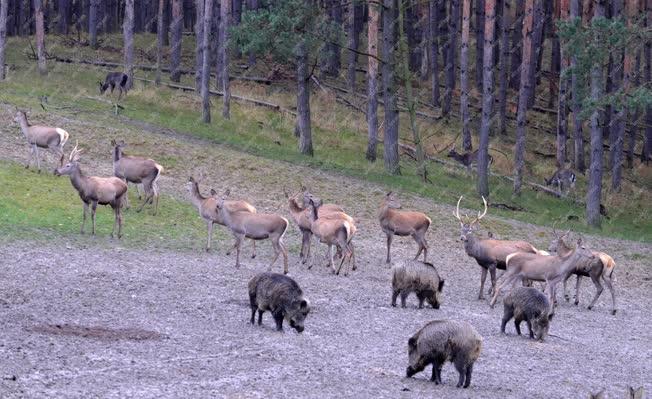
x=437, y=342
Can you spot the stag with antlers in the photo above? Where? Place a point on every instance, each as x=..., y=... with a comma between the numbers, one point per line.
x=95, y=190
x=489, y=253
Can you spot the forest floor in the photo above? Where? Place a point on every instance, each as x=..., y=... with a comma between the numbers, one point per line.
x=153, y=315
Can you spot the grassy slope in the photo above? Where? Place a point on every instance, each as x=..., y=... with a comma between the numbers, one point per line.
x=339, y=143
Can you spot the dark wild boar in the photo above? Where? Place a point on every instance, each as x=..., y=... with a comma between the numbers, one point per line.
x=418, y=277
x=280, y=295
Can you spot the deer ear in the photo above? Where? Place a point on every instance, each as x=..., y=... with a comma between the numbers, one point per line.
x=389, y=194
x=113, y=143
x=213, y=192
x=227, y=192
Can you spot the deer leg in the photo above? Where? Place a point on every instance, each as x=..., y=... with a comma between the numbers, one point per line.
x=84, y=218
x=115, y=220
x=598, y=288
x=418, y=241
x=390, y=237
x=31, y=155
x=577, y=290
x=492, y=271
x=483, y=277
x=305, y=246
x=277, y=252
x=253, y=247
x=608, y=281
x=238, y=244
x=93, y=210
x=330, y=257
x=120, y=222
x=210, y=236
x=285, y=256
x=509, y=279
x=566, y=296
x=352, y=251
x=38, y=160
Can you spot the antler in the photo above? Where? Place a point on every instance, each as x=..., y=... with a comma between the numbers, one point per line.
x=74, y=154
x=481, y=214
x=457, y=210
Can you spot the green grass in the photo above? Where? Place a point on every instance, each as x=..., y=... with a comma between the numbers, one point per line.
x=270, y=135
x=44, y=206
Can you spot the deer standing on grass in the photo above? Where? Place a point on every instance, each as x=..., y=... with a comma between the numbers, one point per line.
x=403, y=223
x=563, y=179
x=552, y=269
x=95, y=190
x=137, y=170
x=468, y=158
x=257, y=226
x=601, y=267
x=332, y=231
x=489, y=253
x=207, y=207
x=52, y=138
x=113, y=80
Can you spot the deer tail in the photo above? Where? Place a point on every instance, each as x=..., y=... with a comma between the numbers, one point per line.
x=63, y=136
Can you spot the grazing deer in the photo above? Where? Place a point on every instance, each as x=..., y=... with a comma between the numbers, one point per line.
x=468, y=158
x=489, y=253
x=563, y=179
x=137, y=170
x=257, y=226
x=113, y=80
x=95, y=190
x=207, y=207
x=403, y=223
x=331, y=231
x=601, y=267
x=52, y=138
x=552, y=269
x=300, y=215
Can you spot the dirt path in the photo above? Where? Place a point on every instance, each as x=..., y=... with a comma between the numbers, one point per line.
x=105, y=321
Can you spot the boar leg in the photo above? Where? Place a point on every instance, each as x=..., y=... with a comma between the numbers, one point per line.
x=394, y=296
x=436, y=372
x=507, y=316
x=278, y=318
x=253, y=313
x=260, y=316
x=517, y=324
x=469, y=371
x=404, y=295
x=421, y=299
x=460, y=366
x=529, y=328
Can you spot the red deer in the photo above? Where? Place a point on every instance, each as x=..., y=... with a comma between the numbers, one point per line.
x=113, y=80
x=52, y=138
x=95, y=190
x=490, y=254
x=403, y=223
x=468, y=158
x=137, y=170
x=563, y=179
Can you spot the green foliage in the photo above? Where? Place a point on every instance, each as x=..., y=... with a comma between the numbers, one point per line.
x=276, y=28
x=591, y=45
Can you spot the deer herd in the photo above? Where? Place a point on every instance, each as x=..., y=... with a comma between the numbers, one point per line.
x=327, y=222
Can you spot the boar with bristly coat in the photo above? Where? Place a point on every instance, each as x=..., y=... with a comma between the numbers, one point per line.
x=418, y=277
x=530, y=305
x=445, y=340
x=280, y=295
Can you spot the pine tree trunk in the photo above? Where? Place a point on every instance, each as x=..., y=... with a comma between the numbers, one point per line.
x=225, y=22
x=504, y=65
x=434, y=49
x=517, y=47
x=594, y=190
x=217, y=21
x=451, y=57
x=646, y=151
x=303, y=100
x=331, y=54
x=4, y=10
x=40, y=37
x=199, y=43
x=409, y=97
x=92, y=23
x=637, y=114
x=536, y=44
x=562, y=107
x=613, y=122
x=414, y=34
x=252, y=5
x=555, y=54
x=160, y=26
x=479, y=42
x=389, y=87
x=177, y=34
x=236, y=13
x=617, y=150
x=128, y=32
x=63, y=10
x=206, y=60
x=464, y=76
x=576, y=107
x=521, y=115
x=487, y=97
x=354, y=22
x=372, y=80
x=166, y=23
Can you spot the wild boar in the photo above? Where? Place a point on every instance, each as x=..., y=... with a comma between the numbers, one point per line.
x=445, y=340
x=529, y=305
x=280, y=295
x=418, y=277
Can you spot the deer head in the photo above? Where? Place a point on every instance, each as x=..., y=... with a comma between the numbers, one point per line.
x=558, y=240
x=73, y=162
x=466, y=227
x=391, y=201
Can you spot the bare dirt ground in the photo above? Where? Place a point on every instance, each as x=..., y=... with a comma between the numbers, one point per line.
x=84, y=320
